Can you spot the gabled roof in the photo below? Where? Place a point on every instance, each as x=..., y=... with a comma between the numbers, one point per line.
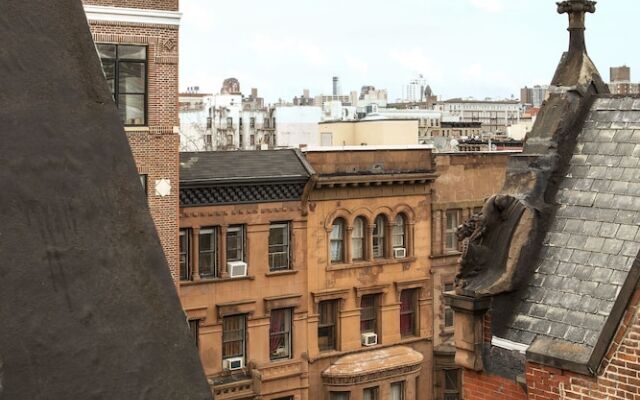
x=586, y=270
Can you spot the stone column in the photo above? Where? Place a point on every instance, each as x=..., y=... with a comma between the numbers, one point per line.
x=348, y=256
x=369, y=242
x=468, y=322
x=195, y=248
x=222, y=257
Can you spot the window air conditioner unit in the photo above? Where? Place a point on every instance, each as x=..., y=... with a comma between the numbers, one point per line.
x=232, y=364
x=369, y=339
x=399, y=252
x=237, y=268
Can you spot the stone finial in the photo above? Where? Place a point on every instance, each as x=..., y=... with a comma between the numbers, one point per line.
x=576, y=10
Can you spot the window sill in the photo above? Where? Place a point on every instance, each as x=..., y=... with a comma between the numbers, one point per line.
x=217, y=280
x=136, y=128
x=445, y=255
x=283, y=272
x=367, y=263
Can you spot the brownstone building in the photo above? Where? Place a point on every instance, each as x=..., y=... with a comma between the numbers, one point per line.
x=137, y=41
x=370, y=325
x=243, y=269
x=547, y=298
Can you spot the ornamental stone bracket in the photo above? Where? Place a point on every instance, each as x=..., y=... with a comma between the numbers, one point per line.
x=468, y=322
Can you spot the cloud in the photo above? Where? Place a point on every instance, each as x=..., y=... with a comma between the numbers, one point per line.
x=492, y=6
x=282, y=49
x=356, y=64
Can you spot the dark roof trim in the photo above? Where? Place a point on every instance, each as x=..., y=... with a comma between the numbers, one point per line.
x=358, y=121
x=305, y=163
x=248, y=180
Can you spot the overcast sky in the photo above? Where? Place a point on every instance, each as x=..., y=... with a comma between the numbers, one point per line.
x=479, y=48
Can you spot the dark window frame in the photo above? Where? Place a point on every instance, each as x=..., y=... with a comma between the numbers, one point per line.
x=370, y=314
x=412, y=295
x=341, y=226
x=116, y=76
x=379, y=236
x=194, y=329
x=184, y=252
x=242, y=248
x=243, y=339
x=285, y=246
x=212, y=271
x=328, y=323
x=287, y=332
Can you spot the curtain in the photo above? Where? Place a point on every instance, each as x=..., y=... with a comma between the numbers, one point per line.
x=276, y=330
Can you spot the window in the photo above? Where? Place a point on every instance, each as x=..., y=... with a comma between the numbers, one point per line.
x=280, y=334
x=326, y=139
x=357, y=239
x=378, y=237
x=125, y=68
x=408, y=308
x=370, y=393
x=399, y=232
x=279, y=247
x=185, y=259
x=339, y=395
x=369, y=313
x=143, y=182
x=451, y=240
x=451, y=384
x=233, y=336
x=235, y=243
x=229, y=122
x=397, y=391
x=337, y=241
x=252, y=122
x=194, y=329
x=327, y=325
x=448, y=311
x=208, y=253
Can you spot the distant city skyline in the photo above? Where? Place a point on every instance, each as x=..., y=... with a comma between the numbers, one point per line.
x=478, y=48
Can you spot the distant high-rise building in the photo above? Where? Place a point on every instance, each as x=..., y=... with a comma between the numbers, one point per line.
x=533, y=96
x=620, y=74
x=415, y=90
x=336, y=86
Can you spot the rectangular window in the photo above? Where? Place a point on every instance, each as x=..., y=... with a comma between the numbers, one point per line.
x=370, y=393
x=408, y=312
x=279, y=247
x=357, y=240
x=451, y=240
x=229, y=122
x=397, y=391
x=235, y=243
x=194, y=328
x=208, y=253
x=280, y=334
x=448, y=311
x=339, y=395
x=451, y=384
x=233, y=336
x=327, y=325
x=369, y=305
x=125, y=68
x=185, y=259
x=252, y=122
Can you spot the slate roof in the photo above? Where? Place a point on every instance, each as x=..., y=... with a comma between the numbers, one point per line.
x=236, y=177
x=594, y=240
x=243, y=165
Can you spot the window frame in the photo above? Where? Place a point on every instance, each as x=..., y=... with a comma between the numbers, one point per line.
x=194, y=329
x=116, y=73
x=379, y=234
x=339, y=395
x=361, y=239
x=370, y=314
x=402, y=389
x=334, y=307
x=340, y=240
x=287, y=246
x=451, y=232
x=374, y=390
x=240, y=250
x=287, y=332
x=184, y=253
x=243, y=339
x=413, y=312
x=402, y=234
x=215, y=272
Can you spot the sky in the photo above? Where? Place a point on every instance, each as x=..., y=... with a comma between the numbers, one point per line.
x=463, y=48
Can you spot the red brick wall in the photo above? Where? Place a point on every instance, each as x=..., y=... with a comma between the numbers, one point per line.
x=481, y=386
x=168, y=5
x=154, y=147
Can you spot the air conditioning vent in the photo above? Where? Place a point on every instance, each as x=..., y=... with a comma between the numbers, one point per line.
x=237, y=269
x=399, y=252
x=232, y=364
x=369, y=339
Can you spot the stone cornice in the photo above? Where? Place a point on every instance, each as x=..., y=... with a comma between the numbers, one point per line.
x=132, y=15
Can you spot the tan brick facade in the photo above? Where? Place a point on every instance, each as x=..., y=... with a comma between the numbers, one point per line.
x=154, y=146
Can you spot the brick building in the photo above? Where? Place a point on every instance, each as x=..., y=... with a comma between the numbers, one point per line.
x=137, y=41
x=546, y=300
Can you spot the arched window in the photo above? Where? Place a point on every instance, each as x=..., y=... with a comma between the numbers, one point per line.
x=337, y=241
x=399, y=232
x=357, y=239
x=378, y=237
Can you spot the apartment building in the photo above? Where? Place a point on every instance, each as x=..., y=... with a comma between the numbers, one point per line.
x=137, y=42
x=495, y=115
x=243, y=243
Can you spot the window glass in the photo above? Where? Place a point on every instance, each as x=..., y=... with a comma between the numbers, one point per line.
x=233, y=336
x=131, y=109
x=131, y=78
x=357, y=239
x=370, y=393
x=339, y=396
x=279, y=247
x=378, y=237
x=280, y=334
x=130, y=52
x=408, y=307
x=399, y=232
x=337, y=241
x=235, y=243
x=369, y=313
x=327, y=325
x=208, y=254
x=106, y=50
x=397, y=391
x=451, y=239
